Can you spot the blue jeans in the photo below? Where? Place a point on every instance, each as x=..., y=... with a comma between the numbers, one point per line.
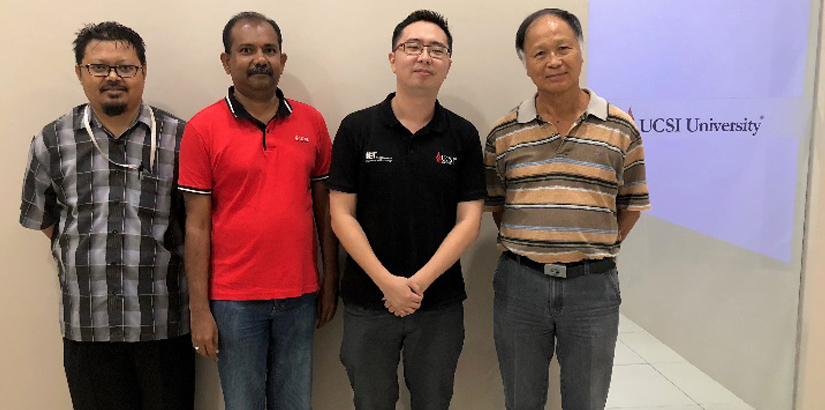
x=431, y=342
x=532, y=312
x=265, y=352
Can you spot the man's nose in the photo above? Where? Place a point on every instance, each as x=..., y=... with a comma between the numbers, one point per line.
x=260, y=57
x=553, y=60
x=425, y=55
x=113, y=75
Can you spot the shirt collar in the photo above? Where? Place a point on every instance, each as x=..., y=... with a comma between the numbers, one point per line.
x=143, y=117
x=597, y=107
x=238, y=110
x=390, y=120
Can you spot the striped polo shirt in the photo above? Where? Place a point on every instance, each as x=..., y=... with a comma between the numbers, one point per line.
x=560, y=194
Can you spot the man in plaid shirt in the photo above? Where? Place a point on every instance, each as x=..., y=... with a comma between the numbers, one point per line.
x=101, y=186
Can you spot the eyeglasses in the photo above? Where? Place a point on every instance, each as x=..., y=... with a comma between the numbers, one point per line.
x=415, y=48
x=103, y=70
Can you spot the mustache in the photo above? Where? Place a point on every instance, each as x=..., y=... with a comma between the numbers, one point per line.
x=113, y=86
x=260, y=69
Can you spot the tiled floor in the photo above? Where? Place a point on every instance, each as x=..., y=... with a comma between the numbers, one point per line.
x=670, y=382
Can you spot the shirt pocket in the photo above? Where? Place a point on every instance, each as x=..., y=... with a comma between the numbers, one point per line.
x=155, y=196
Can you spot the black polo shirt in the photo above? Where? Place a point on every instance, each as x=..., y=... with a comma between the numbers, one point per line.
x=408, y=186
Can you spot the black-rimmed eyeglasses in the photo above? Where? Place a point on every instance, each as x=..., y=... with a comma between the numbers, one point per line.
x=103, y=70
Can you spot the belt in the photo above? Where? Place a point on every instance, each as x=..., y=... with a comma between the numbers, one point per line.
x=566, y=270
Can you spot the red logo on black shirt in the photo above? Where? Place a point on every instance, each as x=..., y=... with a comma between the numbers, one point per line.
x=445, y=159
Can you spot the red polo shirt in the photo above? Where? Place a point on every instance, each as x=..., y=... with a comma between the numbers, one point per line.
x=263, y=232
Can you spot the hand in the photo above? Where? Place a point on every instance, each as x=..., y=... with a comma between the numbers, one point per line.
x=398, y=311
x=399, y=297
x=204, y=333
x=415, y=285
x=327, y=303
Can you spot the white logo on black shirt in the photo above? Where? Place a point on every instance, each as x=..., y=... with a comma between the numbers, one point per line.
x=445, y=159
x=372, y=156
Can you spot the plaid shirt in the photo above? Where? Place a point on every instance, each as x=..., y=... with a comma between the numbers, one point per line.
x=117, y=234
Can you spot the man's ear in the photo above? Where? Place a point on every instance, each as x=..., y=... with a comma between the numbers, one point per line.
x=225, y=62
x=391, y=58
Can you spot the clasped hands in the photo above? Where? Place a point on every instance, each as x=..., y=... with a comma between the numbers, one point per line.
x=402, y=296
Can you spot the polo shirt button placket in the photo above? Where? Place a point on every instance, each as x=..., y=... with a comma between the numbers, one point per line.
x=560, y=152
x=267, y=133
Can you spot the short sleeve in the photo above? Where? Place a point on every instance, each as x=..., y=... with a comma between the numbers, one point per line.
x=323, y=155
x=38, y=208
x=343, y=174
x=195, y=174
x=494, y=180
x=471, y=169
x=633, y=192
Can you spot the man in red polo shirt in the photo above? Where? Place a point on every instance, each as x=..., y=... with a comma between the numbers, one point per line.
x=252, y=168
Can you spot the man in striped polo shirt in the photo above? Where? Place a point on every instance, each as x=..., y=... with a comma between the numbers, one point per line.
x=566, y=183
x=101, y=186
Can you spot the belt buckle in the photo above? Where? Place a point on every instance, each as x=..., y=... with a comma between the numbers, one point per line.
x=555, y=270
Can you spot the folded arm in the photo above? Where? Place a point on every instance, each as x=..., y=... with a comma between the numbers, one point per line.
x=396, y=289
x=463, y=234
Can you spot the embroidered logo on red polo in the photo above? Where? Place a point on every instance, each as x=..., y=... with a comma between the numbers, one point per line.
x=445, y=159
x=299, y=138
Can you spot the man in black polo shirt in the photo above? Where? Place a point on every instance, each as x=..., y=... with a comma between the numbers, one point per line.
x=407, y=181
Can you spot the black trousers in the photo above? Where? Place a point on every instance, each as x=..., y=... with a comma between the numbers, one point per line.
x=153, y=375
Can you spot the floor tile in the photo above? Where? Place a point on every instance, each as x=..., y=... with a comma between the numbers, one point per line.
x=626, y=356
x=636, y=386
x=649, y=348
x=733, y=406
x=647, y=375
x=696, y=384
x=695, y=407
x=628, y=326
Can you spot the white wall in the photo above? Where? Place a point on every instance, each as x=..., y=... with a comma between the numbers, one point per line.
x=810, y=394
x=731, y=312
x=337, y=62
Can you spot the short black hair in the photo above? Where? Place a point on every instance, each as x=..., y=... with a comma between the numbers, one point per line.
x=108, y=31
x=564, y=15
x=247, y=16
x=423, y=15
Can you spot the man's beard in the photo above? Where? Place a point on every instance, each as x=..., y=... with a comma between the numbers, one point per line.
x=115, y=108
